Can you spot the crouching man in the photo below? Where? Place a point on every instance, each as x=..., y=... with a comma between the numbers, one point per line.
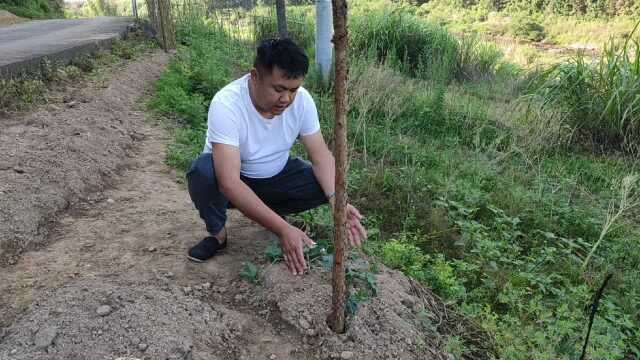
x=252, y=124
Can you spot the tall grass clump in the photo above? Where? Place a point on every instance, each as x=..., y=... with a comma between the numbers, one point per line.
x=421, y=49
x=600, y=99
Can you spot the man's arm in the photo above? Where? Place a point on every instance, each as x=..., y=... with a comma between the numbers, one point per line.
x=322, y=161
x=324, y=169
x=226, y=159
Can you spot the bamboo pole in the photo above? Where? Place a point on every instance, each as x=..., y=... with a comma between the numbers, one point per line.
x=336, y=318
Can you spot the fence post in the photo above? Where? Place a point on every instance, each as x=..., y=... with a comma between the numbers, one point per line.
x=324, y=29
x=134, y=9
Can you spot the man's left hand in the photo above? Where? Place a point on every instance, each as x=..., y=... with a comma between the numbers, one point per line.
x=356, y=233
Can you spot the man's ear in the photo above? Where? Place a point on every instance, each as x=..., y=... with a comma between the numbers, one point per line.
x=254, y=74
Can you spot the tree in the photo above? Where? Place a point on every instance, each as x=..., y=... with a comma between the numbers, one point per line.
x=336, y=318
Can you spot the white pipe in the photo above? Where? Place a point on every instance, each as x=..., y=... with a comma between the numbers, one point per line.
x=324, y=33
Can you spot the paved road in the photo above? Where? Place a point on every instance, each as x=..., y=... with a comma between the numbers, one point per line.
x=25, y=44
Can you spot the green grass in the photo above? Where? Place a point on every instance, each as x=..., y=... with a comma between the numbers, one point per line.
x=461, y=188
x=33, y=9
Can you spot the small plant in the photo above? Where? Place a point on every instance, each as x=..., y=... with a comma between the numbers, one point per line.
x=363, y=287
x=251, y=273
x=273, y=252
x=455, y=346
x=122, y=49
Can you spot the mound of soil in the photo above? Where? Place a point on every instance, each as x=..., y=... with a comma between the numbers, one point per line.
x=53, y=157
x=139, y=319
x=7, y=18
x=384, y=327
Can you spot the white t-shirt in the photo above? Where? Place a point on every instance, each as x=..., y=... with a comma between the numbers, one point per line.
x=264, y=144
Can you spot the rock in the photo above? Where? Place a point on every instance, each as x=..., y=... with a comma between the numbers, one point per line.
x=104, y=310
x=206, y=286
x=45, y=337
x=110, y=201
x=169, y=275
x=151, y=249
x=239, y=297
x=304, y=323
x=142, y=346
x=408, y=302
x=346, y=355
x=187, y=290
x=273, y=357
x=14, y=351
x=266, y=339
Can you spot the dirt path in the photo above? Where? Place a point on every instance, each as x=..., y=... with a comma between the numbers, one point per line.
x=138, y=231
x=111, y=280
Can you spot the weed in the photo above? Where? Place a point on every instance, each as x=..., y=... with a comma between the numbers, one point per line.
x=251, y=273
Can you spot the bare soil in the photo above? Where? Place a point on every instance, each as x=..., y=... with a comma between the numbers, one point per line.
x=98, y=226
x=7, y=18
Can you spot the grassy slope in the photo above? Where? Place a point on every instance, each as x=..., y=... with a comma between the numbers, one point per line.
x=560, y=35
x=461, y=194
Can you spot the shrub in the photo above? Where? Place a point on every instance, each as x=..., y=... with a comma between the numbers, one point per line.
x=525, y=27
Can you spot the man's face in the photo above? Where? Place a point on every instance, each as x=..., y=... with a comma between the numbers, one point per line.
x=274, y=92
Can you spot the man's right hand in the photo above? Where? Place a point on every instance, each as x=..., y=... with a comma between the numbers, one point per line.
x=292, y=240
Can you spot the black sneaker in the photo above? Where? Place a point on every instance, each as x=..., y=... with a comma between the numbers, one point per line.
x=206, y=249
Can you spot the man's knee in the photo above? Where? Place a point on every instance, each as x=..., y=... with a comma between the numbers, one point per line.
x=201, y=174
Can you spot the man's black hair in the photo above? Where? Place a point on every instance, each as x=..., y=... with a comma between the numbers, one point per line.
x=284, y=54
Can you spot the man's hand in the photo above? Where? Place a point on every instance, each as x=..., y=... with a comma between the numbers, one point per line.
x=292, y=240
x=356, y=233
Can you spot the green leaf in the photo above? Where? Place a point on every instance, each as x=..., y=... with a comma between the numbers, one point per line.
x=273, y=252
x=250, y=272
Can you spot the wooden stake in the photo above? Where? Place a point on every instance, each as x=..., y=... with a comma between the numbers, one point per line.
x=336, y=319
